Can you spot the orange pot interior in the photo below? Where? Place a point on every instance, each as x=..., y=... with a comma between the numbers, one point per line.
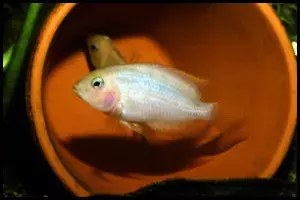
x=241, y=49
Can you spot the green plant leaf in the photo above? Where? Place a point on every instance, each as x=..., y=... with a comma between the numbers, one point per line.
x=7, y=56
x=14, y=67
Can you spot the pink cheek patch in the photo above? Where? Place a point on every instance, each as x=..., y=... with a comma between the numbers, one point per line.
x=109, y=99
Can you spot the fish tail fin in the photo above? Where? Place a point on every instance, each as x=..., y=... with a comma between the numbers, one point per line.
x=218, y=115
x=207, y=111
x=226, y=116
x=214, y=111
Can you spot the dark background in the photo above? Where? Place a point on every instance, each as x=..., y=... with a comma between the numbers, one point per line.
x=26, y=173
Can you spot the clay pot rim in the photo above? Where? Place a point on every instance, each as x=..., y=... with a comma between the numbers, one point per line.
x=35, y=93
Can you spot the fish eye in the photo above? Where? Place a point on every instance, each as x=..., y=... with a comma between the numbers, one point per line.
x=94, y=48
x=97, y=82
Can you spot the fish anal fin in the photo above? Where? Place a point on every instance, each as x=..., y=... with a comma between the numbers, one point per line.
x=198, y=161
x=209, y=134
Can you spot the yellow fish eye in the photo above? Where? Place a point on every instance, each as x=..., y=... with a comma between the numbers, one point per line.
x=97, y=82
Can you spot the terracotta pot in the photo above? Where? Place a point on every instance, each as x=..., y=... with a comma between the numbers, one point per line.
x=242, y=49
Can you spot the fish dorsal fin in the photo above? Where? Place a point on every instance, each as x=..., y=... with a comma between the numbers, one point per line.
x=198, y=82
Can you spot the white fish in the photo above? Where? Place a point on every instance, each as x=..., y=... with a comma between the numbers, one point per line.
x=164, y=99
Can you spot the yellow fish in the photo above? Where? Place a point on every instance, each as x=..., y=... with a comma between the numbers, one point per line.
x=147, y=96
x=102, y=52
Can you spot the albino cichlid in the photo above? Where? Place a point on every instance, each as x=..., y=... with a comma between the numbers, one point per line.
x=165, y=100
x=102, y=52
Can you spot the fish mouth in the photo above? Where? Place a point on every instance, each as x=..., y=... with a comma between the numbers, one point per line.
x=76, y=91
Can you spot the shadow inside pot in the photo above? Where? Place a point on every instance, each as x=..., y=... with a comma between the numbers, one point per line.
x=123, y=155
